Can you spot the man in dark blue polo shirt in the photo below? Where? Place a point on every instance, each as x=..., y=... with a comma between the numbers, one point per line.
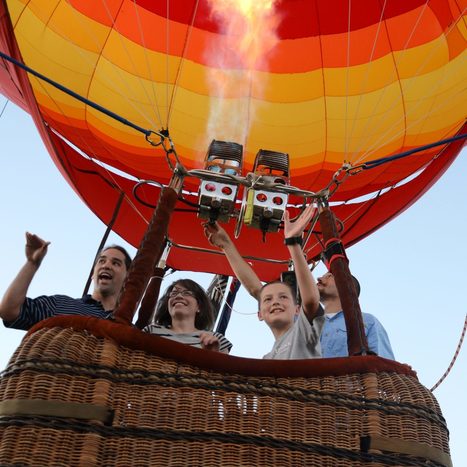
x=21, y=312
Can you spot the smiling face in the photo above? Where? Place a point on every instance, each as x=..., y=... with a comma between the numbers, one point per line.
x=182, y=304
x=277, y=307
x=109, y=273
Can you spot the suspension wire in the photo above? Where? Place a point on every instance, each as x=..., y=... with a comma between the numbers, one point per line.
x=383, y=92
x=104, y=239
x=148, y=66
x=167, y=60
x=4, y=107
x=347, y=79
x=111, y=180
x=122, y=90
x=348, y=170
x=387, y=135
x=454, y=358
x=128, y=54
x=190, y=28
x=89, y=150
x=369, y=66
x=164, y=138
x=443, y=105
x=82, y=99
x=323, y=200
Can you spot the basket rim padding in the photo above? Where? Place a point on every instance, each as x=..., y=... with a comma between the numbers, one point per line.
x=132, y=338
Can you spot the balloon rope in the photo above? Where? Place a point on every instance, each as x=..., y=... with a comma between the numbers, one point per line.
x=155, y=100
x=167, y=61
x=182, y=61
x=77, y=96
x=383, y=160
x=364, y=81
x=459, y=345
x=347, y=79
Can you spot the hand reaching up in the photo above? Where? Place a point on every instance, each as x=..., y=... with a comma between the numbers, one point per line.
x=36, y=248
x=296, y=228
x=216, y=235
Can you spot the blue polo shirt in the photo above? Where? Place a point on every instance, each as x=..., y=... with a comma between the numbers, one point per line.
x=34, y=310
x=334, y=336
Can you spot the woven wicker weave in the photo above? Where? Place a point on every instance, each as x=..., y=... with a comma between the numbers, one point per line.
x=169, y=413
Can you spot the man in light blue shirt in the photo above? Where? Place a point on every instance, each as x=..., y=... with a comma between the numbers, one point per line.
x=334, y=334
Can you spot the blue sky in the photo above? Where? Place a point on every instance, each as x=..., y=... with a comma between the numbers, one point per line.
x=412, y=271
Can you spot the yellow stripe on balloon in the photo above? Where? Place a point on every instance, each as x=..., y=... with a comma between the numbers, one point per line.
x=76, y=65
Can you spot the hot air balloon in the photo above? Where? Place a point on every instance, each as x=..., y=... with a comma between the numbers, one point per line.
x=143, y=95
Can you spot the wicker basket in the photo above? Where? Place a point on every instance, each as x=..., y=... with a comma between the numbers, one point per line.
x=84, y=392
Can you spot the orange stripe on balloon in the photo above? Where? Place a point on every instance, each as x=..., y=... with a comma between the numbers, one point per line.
x=457, y=39
x=136, y=21
x=84, y=33
x=103, y=12
x=413, y=28
x=289, y=56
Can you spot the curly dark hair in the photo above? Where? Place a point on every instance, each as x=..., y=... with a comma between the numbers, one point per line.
x=204, y=319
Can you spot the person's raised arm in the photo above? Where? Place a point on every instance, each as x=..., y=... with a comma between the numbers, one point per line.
x=309, y=292
x=10, y=305
x=218, y=237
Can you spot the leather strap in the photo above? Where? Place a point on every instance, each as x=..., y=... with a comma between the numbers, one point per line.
x=45, y=408
x=412, y=448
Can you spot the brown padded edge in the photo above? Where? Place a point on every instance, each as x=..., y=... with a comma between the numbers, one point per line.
x=357, y=341
x=133, y=338
x=147, y=257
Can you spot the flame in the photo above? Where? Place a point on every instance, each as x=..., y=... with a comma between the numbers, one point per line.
x=238, y=61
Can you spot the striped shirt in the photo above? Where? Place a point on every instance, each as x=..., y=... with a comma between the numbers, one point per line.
x=34, y=310
x=192, y=338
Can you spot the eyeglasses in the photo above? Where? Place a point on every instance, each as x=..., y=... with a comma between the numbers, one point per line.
x=183, y=293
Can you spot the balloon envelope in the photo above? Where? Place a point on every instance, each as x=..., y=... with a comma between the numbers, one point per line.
x=325, y=82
